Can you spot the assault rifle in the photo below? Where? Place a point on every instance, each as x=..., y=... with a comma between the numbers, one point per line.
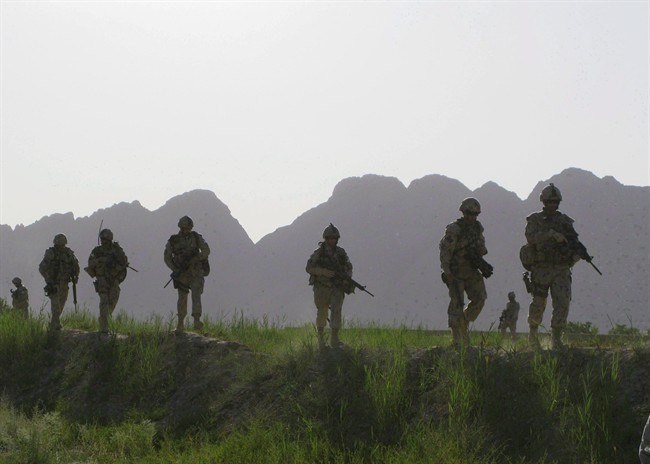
x=186, y=264
x=578, y=248
x=342, y=276
x=478, y=262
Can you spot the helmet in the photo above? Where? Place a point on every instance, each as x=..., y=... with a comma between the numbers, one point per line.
x=186, y=221
x=331, y=231
x=16, y=281
x=60, y=239
x=550, y=192
x=106, y=234
x=511, y=294
x=470, y=205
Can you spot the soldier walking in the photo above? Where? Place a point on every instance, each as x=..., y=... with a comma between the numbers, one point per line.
x=20, y=297
x=59, y=267
x=461, y=256
x=326, y=267
x=509, y=316
x=551, y=251
x=107, y=264
x=186, y=254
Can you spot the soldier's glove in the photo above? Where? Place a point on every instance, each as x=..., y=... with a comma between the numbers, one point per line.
x=556, y=236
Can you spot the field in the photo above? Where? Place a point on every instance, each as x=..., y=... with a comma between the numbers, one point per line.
x=248, y=391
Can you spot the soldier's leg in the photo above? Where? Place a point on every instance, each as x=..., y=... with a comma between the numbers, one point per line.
x=181, y=309
x=336, y=321
x=58, y=303
x=322, y=301
x=114, y=297
x=104, y=311
x=561, y=299
x=540, y=279
x=476, y=293
x=197, y=309
x=455, y=316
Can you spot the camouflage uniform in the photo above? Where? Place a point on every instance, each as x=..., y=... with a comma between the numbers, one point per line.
x=462, y=238
x=20, y=297
x=550, y=261
x=509, y=316
x=58, y=267
x=186, y=254
x=107, y=264
x=329, y=291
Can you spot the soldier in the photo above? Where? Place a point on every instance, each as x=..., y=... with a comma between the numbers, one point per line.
x=329, y=291
x=186, y=254
x=58, y=267
x=549, y=255
x=107, y=264
x=509, y=316
x=20, y=297
x=461, y=256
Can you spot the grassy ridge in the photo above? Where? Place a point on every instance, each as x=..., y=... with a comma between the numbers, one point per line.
x=388, y=396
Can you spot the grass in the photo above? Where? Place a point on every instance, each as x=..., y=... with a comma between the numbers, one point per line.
x=142, y=395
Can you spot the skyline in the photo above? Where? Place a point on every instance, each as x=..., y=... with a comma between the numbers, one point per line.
x=270, y=105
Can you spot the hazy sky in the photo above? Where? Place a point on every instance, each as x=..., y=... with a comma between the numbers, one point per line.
x=270, y=104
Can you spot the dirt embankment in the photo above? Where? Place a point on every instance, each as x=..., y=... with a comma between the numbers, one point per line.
x=187, y=382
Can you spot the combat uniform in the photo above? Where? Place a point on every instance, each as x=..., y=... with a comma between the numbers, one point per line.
x=107, y=264
x=20, y=298
x=58, y=267
x=509, y=318
x=462, y=243
x=186, y=256
x=329, y=290
x=550, y=253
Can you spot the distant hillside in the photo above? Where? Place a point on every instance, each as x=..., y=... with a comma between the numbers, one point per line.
x=391, y=233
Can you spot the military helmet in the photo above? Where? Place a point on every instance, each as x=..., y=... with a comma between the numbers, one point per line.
x=470, y=205
x=60, y=239
x=331, y=231
x=185, y=221
x=106, y=234
x=16, y=281
x=550, y=192
x=511, y=294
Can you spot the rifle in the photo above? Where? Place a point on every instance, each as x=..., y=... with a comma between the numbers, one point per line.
x=578, y=248
x=186, y=264
x=478, y=262
x=340, y=275
x=74, y=293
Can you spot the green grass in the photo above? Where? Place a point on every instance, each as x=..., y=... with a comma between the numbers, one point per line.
x=142, y=395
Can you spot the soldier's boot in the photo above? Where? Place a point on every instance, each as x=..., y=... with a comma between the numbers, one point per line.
x=533, y=340
x=321, y=339
x=556, y=340
x=180, y=326
x=198, y=325
x=335, y=341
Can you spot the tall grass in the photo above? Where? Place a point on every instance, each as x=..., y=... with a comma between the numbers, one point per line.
x=393, y=395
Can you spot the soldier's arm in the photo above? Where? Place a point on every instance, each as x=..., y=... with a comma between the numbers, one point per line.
x=203, y=248
x=447, y=246
x=168, y=256
x=312, y=267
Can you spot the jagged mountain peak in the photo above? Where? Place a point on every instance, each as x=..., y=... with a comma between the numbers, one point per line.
x=369, y=184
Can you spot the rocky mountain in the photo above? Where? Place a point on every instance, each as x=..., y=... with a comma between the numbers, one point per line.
x=391, y=232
